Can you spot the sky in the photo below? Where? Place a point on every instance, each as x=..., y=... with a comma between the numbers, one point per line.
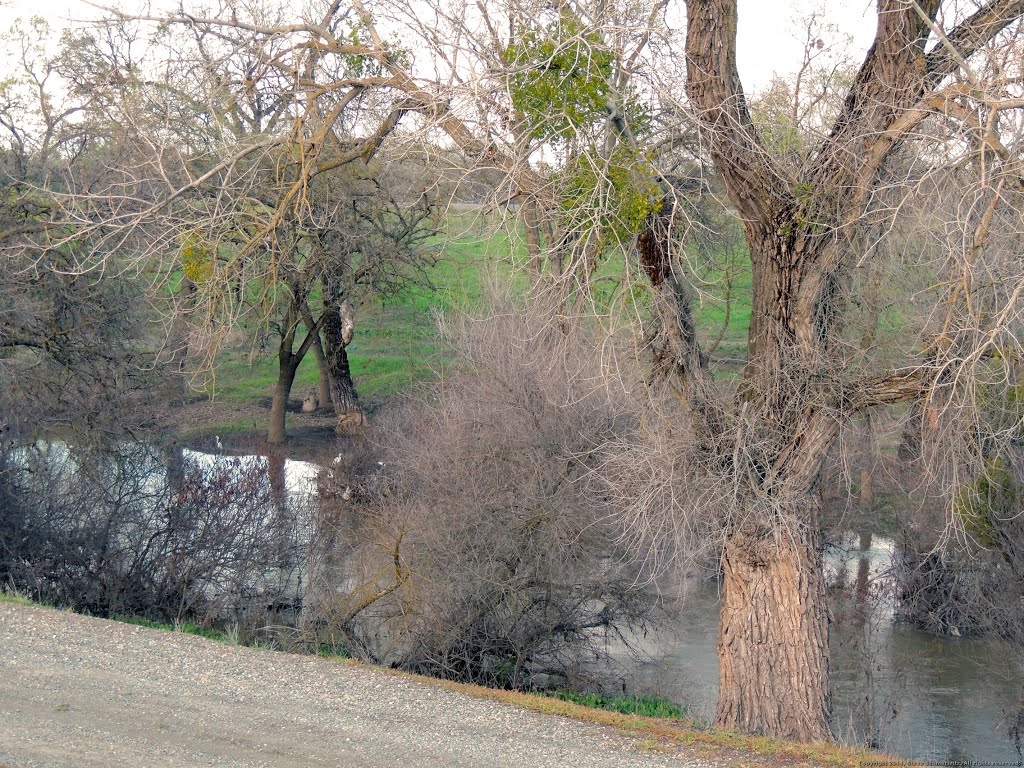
x=768, y=40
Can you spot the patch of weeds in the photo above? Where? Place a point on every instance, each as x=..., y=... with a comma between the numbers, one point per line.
x=650, y=745
x=16, y=598
x=139, y=621
x=191, y=628
x=263, y=644
x=233, y=634
x=642, y=706
x=333, y=651
x=62, y=707
x=188, y=627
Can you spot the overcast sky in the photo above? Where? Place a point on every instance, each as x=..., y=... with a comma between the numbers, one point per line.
x=768, y=39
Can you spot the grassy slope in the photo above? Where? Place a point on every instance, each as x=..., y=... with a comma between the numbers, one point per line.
x=396, y=342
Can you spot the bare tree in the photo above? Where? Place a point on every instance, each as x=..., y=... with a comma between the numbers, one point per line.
x=237, y=124
x=69, y=351
x=939, y=85
x=799, y=387
x=483, y=553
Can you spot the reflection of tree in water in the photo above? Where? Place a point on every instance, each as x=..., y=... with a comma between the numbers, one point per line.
x=276, y=472
x=862, y=573
x=164, y=534
x=174, y=462
x=337, y=537
x=860, y=622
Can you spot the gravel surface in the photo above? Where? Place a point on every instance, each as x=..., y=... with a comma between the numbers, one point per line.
x=76, y=691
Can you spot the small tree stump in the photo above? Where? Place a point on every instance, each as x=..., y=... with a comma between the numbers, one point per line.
x=350, y=421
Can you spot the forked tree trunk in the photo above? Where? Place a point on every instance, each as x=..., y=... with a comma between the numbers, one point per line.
x=279, y=405
x=773, y=638
x=289, y=357
x=773, y=626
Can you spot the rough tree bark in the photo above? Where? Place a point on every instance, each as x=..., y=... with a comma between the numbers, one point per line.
x=774, y=598
x=288, y=359
x=338, y=330
x=773, y=641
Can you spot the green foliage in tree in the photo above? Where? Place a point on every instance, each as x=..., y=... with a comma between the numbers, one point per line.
x=992, y=493
x=561, y=78
x=369, y=66
x=196, y=258
x=621, y=192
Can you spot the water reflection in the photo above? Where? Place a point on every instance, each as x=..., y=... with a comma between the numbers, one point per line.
x=924, y=697
x=894, y=687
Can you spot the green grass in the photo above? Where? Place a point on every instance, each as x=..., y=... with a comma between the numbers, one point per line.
x=396, y=343
x=337, y=651
x=16, y=598
x=643, y=706
x=240, y=426
x=188, y=627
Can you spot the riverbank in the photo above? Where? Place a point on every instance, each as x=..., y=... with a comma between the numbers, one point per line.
x=79, y=691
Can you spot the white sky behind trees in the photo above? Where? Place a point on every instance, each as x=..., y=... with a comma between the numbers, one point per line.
x=770, y=40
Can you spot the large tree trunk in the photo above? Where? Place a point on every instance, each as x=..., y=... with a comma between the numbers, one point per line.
x=279, y=405
x=773, y=631
x=338, y=330
x=773, y=636
x=323, y=396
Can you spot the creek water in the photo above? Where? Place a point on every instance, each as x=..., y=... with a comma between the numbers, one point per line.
x=927, y=698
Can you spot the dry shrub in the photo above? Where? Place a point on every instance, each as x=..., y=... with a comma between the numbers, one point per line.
x=118, y=531
x=965, y=575
x=489, y=549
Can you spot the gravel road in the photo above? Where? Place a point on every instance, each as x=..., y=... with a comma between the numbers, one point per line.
x=76, y=691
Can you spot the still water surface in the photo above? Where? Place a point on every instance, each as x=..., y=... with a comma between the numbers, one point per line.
x=924, y=697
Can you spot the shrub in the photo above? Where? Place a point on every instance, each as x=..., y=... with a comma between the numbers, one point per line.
x=118, y=531
x=491, y=552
